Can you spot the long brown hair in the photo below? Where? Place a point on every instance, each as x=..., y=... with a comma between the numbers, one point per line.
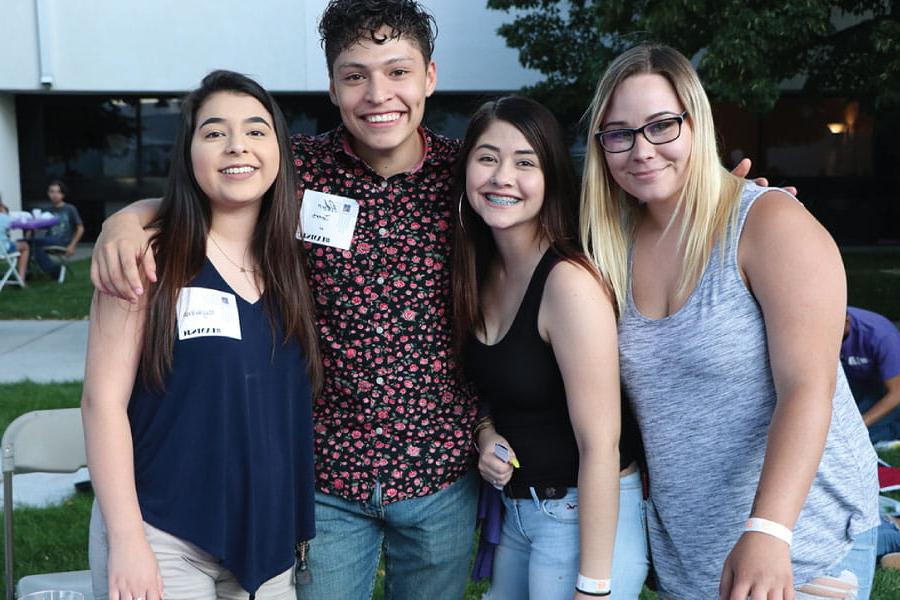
x=182, y=225
x=473, y=244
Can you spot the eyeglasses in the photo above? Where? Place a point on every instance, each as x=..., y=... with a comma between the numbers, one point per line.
x=658, y=132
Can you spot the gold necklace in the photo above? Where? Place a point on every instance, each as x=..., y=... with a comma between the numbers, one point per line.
x=242, y=268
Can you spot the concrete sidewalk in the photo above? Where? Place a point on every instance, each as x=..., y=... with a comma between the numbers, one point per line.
x=44, y=352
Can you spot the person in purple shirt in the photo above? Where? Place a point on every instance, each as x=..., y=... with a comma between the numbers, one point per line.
x=870, y=354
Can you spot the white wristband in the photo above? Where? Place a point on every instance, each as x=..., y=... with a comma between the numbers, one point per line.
x=590, y=586
x=769, y=528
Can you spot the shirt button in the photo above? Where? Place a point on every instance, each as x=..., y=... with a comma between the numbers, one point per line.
x=380, y=280
x=379, y=380
x=382, y=231
x=379, y=330
x=379, y=430
x=384, y=184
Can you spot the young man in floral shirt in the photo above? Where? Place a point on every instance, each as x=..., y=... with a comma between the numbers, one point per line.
x=393, y=422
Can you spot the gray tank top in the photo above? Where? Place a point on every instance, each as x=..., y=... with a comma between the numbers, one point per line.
x=701, y=387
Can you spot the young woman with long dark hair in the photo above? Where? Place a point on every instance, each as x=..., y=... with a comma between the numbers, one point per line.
x=537, y=332
x=197, y=400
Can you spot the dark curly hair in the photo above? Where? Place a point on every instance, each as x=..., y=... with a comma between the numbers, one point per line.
x=345, y=22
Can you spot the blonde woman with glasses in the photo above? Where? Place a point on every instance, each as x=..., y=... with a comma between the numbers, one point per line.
x=731, y=301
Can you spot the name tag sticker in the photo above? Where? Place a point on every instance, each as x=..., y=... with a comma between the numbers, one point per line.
x=203, y=312
x=328, y=219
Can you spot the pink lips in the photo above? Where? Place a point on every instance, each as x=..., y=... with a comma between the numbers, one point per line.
x=647, y=175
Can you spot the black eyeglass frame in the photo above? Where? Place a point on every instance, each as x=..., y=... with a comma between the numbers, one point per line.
x=640, y=130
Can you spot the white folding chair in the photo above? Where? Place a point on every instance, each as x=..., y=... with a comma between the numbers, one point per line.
x=8, y=262
x=50, y=441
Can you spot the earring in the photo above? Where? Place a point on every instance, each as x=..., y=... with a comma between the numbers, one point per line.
x=459, y=211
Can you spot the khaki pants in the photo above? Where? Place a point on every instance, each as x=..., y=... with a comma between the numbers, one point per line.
x=188, y=573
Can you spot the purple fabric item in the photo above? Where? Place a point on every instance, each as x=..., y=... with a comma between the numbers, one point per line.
x=490, y=516
x=871, y=351
x=32, y=224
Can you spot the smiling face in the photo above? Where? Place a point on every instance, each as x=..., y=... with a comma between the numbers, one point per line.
x=651, y=173
x=504, y=179
x=234, y=149
x=380, y=90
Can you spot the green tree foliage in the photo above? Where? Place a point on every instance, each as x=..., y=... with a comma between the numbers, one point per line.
x=743, y=48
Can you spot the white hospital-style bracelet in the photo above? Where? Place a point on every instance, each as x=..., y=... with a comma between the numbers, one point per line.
x=769, y=528
x=593, y=587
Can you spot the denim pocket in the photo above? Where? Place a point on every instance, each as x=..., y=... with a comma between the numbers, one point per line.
x=564, y=510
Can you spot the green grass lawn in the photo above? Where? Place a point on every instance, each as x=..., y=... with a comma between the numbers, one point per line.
x=46, y=299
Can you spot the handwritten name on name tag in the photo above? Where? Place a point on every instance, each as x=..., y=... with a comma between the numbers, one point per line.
x=204, y=312
x=328, y=219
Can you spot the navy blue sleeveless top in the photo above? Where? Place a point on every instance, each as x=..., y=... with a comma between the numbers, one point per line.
x=223, y=458
x=520, y=380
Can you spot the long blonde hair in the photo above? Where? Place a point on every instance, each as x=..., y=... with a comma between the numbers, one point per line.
x=708, y=201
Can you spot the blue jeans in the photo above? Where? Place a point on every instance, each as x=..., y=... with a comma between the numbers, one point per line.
x=538, y=553
x=47, y=264
x=888, y=427
x=888, y=537
x=860, y=560
x=427, y=545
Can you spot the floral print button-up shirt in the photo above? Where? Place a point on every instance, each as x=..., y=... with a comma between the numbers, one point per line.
x=393, y=410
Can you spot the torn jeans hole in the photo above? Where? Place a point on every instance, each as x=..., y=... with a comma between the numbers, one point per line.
x=844, y=586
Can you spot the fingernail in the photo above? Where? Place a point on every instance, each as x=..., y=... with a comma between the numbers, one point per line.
x=138, y=291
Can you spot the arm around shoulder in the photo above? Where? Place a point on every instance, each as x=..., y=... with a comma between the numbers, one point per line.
x=121, y=252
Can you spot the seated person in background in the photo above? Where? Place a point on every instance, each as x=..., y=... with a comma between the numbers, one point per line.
x=888, y=548
x=870, y=354
x=9, y=245
x=65, y=233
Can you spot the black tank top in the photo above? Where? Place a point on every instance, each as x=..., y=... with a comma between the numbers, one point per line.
x=519, y=379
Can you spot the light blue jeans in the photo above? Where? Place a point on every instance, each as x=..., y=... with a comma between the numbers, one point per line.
x=860, y=560
x=888, y=537
x=538, y=553
x=427, y=544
